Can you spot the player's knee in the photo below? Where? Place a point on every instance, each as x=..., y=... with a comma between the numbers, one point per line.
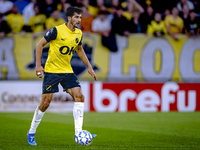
x=46, y=102
x=44, y=105
x=79, y=98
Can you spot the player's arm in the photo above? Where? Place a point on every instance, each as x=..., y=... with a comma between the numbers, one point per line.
x=84, y=58
x=39, y=48
x=50, y=35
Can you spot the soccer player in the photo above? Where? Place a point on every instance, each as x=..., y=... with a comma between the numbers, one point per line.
x=64, y=40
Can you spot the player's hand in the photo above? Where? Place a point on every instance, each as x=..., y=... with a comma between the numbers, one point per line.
x=92, y=73
x=39, y=71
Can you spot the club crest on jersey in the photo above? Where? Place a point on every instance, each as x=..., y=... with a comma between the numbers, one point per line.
x=76, y=40
x=49, y=32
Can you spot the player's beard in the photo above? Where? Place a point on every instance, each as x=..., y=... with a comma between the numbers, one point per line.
x=75, y=24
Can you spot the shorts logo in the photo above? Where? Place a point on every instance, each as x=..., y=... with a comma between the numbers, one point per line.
x=48, y=88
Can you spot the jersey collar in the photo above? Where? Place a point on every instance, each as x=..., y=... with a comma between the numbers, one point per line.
x=69, y=29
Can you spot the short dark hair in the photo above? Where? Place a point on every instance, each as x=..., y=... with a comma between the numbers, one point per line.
x=71, y=10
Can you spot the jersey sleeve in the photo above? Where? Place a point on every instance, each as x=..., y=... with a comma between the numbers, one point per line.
x=80, y=43
x=51, y=35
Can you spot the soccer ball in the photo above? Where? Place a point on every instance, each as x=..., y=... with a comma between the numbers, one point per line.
x=84, y=138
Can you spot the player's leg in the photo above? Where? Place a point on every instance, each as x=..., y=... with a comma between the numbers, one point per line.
x=78, y=109
x=71, y=84
x=50, y=86
x=39, y=112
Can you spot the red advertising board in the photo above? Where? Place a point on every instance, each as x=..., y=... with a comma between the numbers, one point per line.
x=144, y=97
x=105, y=97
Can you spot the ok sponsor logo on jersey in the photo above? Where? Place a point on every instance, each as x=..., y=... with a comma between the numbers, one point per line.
x=66, y=50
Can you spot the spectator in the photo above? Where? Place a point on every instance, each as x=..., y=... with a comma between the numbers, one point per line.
x=128, y=11
x=185, y=13
x=131, y=6
x=15, y=20
x=99, y=7
x=54, y=20
x=192, y=25
x=28, y=11
x=37, y=22
x=166, y=13
x=111, y=14
x=115, y=3
x=21, y=4
x=93, y=10
x=63, y=13
x=86, y=20
x=137, y=6
x=5, y=7
x=147, y=17
x=85, y=3
x=136, y=3
x=183, y=2
x=48, y=7
x=174, y=23
x=60, y=5
x=120, y=23
x=4, y=28
x=157, y=26
x=135, y=25
x=102, y=26
x=100, y=4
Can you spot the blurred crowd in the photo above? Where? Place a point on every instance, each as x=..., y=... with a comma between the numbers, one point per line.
x=105, y=17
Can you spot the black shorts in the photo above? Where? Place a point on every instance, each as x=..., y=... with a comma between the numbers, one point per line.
x=51, y=81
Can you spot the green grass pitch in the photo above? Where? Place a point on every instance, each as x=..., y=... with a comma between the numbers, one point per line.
x=132, y=130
